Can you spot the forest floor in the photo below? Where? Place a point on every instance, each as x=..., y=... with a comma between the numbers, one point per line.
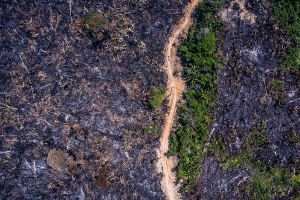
x=164, y=164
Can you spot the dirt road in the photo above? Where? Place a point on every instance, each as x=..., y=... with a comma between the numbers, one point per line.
x=164, y=165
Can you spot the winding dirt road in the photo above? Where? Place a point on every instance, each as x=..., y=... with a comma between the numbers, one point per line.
x=163, y=164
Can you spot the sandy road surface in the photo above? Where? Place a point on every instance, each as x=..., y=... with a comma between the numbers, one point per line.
x=163, y=164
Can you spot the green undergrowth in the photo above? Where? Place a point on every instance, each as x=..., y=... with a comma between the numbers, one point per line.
x=265, y=182
x=287, y=14
x=201, y=58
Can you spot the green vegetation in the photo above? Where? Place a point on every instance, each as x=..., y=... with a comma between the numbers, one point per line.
x=127, y=145
x=217, y=147
x=261, y=126
x=157, y=131
x=148, y=130
x=276, y=84
x=137, y=133
x=265, y=182
x=202, y=64
x=292, y=137
x=95, y=21
x=157, y=97
x=258, y=140
x=287, y=13
x=157, y=117
x=277, y=91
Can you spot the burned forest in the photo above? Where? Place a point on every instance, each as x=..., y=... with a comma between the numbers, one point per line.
x=149, y=99
x=75, y=79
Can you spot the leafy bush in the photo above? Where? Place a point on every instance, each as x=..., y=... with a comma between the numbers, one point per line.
x=202, y=64
x=157, y=97
x=137, y=133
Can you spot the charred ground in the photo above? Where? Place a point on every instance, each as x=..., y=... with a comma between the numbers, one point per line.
x=65, y=88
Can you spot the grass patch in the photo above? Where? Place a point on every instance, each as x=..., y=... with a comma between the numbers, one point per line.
x=200, y=56
x=157, y=131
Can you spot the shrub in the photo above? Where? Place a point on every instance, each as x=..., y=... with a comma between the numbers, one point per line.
x=148, y=130
x=276, y=84
x=258, y=140
x=137, y=133
x=217, y=147
x=95, y=22
x=292, y=137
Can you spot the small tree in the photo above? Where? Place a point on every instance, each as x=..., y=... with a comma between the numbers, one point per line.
x=157, y=97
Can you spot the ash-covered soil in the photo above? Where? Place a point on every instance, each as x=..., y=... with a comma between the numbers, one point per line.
x=80, y=97
x=253, y=45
